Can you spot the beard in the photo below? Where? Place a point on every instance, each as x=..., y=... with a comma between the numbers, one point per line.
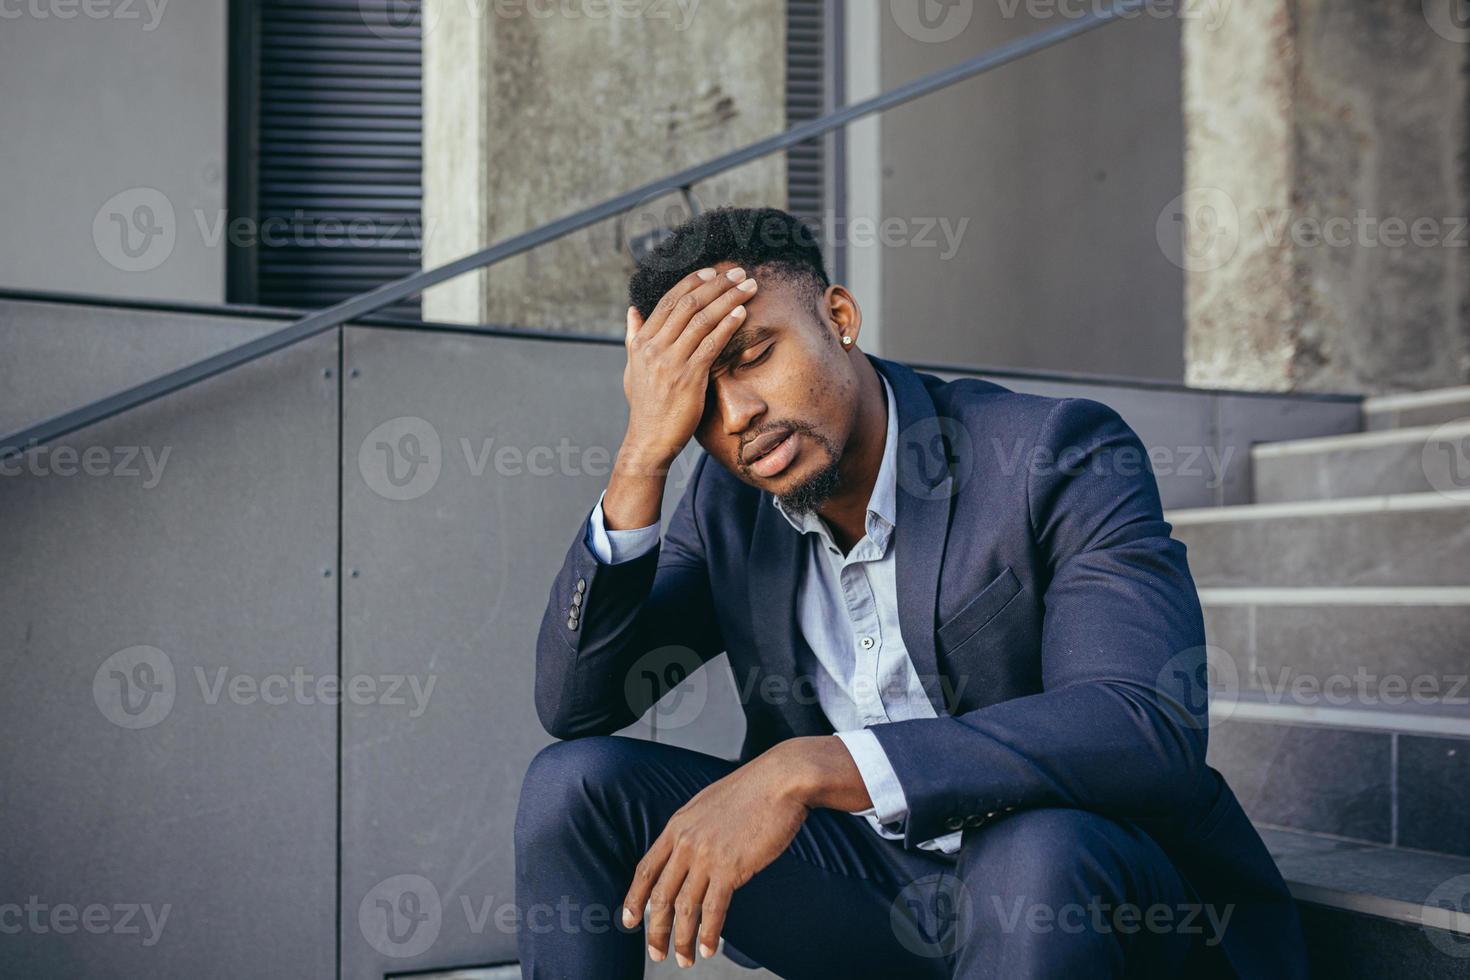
x=816, y=489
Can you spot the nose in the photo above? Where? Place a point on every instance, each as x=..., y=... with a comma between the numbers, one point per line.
x=740, y=405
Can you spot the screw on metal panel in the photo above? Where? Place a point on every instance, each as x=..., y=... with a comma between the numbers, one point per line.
x=355, y=372
x=326, y=573
x=355, y=573
x=326, y=372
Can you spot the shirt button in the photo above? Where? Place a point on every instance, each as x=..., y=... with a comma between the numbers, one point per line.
x=866, y=643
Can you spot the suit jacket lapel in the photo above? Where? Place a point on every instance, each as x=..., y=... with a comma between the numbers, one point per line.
x=925, y=483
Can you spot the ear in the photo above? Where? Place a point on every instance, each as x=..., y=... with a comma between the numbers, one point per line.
x=844, y=316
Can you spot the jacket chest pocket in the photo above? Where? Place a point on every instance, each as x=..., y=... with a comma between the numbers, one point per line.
x=964, y=625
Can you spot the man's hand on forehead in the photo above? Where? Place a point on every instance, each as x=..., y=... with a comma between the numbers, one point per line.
x=671, y=356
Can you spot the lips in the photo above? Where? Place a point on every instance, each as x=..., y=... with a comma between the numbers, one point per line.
x=764, y=443
x=773, y=459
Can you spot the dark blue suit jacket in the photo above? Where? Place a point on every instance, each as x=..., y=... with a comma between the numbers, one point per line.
x=1041, y=598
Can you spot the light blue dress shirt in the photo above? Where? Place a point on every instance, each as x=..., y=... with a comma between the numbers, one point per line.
x=847, y=608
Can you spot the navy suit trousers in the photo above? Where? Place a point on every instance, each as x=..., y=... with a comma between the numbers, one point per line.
x=1038, y=893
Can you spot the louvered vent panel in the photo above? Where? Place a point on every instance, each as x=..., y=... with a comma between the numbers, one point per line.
x=341, y=149
x=806, y=98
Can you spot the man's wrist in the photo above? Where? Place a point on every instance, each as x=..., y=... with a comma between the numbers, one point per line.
x=635, y=493
x=818, y=771
x=644, y=462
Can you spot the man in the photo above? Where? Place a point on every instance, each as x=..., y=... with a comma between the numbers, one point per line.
x=968, y=650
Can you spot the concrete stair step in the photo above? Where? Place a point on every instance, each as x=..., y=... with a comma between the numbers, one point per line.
x=1416, y=408
x=719, y=968
x=1397, y=777
x=1371, y=911
x=1343, y=647
x=1422, y=459
x=1418, y=539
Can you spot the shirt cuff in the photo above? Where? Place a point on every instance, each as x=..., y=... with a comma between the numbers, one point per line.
x=890, y=806
x=616, y=547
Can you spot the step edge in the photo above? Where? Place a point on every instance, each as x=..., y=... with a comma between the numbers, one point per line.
x=1389, y=720
x=1359, y=441
x=1428, y=398
x=1379, y=906
x=1338, y=507
x=1427, y=596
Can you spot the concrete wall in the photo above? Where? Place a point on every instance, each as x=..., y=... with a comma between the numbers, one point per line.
x=1060, y=165
x=1327, y=197
x=532, y=116
x=114, y=149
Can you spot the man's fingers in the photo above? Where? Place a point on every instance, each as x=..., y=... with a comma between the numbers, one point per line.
x=712, y=318
x=709, y=348
x=688, y=306
x=635, y=321
x=644, y=878
x=687, y=910
x=670, y=300
x=715, y=907
x=660, y=922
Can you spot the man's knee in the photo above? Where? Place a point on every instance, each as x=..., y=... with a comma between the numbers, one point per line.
x=567, y=781
x=1060, y=891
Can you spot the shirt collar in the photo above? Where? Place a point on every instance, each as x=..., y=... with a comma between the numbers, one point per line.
x=881, y=509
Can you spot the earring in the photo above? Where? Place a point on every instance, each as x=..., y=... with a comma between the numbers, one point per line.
x=847, y=340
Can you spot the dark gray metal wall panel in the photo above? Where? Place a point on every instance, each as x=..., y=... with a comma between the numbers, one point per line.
x=451, y=583
x=58, y=356
x=220, y=808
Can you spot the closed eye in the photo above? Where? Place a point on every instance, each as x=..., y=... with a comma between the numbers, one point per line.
x=758, y=358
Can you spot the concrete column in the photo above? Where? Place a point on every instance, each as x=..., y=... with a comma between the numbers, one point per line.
x=534, y=109
x=1324, y=217
x=456, y=174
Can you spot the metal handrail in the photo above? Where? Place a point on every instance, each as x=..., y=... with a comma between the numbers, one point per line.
x=385, y=295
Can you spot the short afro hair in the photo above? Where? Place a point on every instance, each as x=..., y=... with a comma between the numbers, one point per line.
x=767, y=239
